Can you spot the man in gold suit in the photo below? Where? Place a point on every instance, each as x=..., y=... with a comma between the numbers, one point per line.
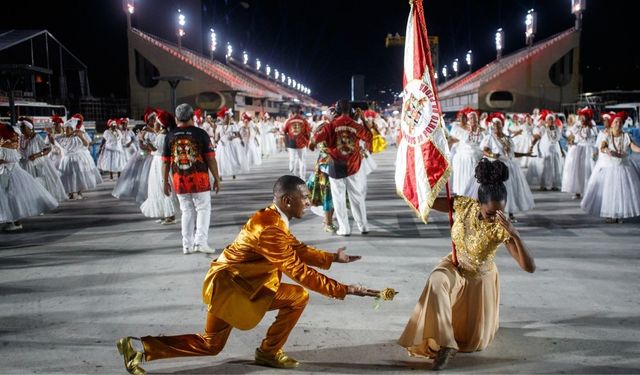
x=244, y=283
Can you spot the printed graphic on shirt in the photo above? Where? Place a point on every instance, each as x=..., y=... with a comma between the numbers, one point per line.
x=346, y=140
x=186, y=150
x=184, y=154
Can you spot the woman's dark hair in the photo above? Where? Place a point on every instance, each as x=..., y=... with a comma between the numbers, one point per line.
x=491, y=176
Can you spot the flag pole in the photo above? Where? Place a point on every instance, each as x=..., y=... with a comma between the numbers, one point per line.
x=422, y=18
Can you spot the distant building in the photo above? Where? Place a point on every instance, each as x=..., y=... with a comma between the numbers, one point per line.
x=545, y=75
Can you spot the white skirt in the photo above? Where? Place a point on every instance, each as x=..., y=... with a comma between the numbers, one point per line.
x=133, y=182
x=239, y=156
x=519, y=197
x=21, y=196
x=368, y=163
x=77, y=174
x=613, y=191
x=112, y=160
x=157, y=204
x=577, y=168
x=228, y=164
x=43, y=170
x=546, y=171
x=522, y=144
x=254, y=154
x=464, y=168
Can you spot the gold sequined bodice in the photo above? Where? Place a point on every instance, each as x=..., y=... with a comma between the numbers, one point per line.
x=476, y=240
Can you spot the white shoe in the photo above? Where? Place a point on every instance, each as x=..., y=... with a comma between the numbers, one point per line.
x=187, y=250
x=12, y=227
x=203, y=249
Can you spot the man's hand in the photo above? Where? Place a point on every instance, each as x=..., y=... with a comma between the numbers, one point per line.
x=341, y=256
x=167, y=188
x=216, y=185
x=359, y=290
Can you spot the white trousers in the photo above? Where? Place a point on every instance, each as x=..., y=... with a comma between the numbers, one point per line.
x=356, y=186
x=296, y=161
x=196, y=214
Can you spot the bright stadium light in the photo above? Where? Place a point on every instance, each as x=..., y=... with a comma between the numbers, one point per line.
x=276, y=74
x=268, y=70
x=289, y=81
x=444, y=72
x=284, y=78
x=214, y=43
x=468, y=58
x=229, y=51
x=245, y=57
x=293, y=81
x=130, y=7
x=499, y=43
x=258, y=64
x=455, y=66
x=577, y=8
x=530, y=21
x=435, y=75
x=181, y=22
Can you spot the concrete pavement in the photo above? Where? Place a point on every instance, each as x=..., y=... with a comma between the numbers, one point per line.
x=76, y=280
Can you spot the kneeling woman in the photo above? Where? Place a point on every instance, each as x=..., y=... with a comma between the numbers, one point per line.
x=458, y=309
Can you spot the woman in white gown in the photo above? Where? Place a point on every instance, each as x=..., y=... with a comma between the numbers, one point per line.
x=78, y=174
x=582, y=154
x=268, y=137
x=84, y=153
x=129, y=139
x=613, y=190
x=251, y=138
x=521, y=132
x=133, y=183
x=20, y=195
x=228, y=140
x=468, y=152
x=112, y=156
x=35, y=161
x=157, y=204
x=546, y=169
x=54, y=131
x=497, y=146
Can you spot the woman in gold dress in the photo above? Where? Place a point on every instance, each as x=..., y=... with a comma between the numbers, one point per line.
x=458, y=309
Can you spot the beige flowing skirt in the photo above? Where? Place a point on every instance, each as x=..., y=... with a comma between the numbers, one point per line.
x=456, y=310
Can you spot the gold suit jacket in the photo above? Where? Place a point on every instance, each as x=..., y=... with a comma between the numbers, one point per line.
x=242, y=282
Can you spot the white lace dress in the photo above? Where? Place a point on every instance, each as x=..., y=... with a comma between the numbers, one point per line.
x=157, y=204
x=581, y=158
x=78, y=173
x=21, y=195
x=112, y=158
x=613, y=190
x=133, y=182
x=545, y=170
x=42, y=168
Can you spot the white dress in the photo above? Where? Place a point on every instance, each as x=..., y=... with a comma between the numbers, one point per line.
x=522, y=142
x=519, y=197
x=85, y=155
x=546, y=169
x=129, y=144
x=20, y=195
x=157, y=204
x=42, y=168
x=228, y=163
x=580, y=159
x=613, y=190
x=268, y=138
x=57, y=152
x=466, y=158
x=112, y=158
x=133, y=182
x=252, y=145
x=78, y=173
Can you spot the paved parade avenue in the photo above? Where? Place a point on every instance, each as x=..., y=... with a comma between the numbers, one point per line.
x=77, y=279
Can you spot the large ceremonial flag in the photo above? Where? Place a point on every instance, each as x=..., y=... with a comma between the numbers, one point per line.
x=422, y=166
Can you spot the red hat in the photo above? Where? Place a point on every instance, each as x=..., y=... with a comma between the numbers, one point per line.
x=57, y=119
x=369, y=113
x=586, y=112
x=222, y=112
x=197, y=114
x=621, y=115
x=165, y=119
x=148, y=113
x=466, y=111
x=544, y=113
x=246, y=117
x=80, y=119
x=496, y=116
x=112, y=122
x=123, y=119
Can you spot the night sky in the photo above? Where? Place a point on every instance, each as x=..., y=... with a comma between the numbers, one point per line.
x=322, y=43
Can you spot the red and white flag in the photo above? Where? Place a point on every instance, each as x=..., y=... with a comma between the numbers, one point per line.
x=422, y=164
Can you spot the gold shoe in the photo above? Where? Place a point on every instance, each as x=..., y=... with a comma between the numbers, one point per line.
x=278, y=360
x=132, y=358
x=442, y=358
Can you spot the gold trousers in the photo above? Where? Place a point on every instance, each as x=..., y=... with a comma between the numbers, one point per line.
x=290, y=300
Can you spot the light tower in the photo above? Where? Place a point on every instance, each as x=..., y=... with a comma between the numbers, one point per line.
x=245, y=57
x=469, y=59
x=258, y=64
x=130, y=9
x=577, y=8
x=530, y=22
x=181, y=22
x=455, y=67
x=214, y=43
x=444, y=73
x=499, y=43
x=268, y=70
x=229, y=51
